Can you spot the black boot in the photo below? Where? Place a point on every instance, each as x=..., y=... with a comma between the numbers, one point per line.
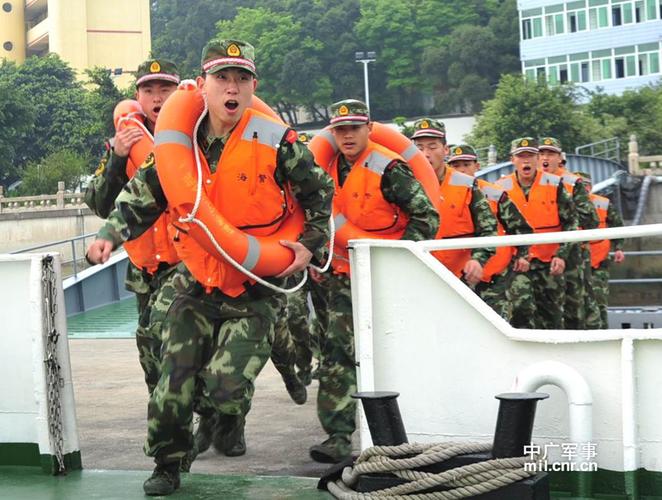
x=229, y=438
x=164, y=480
x=335, y=449
x=295, y=389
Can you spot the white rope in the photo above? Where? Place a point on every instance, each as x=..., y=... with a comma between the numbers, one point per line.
x=131, y=117
x=191, y=218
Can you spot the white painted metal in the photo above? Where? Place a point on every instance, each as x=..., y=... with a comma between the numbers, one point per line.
x=23, y=404
x=448, y=354
x=578, y=392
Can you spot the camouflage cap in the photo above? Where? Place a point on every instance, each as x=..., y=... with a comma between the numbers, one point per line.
x=462, y=152
x=524, y=145
x=584, y=175
x=550, y=143
x=220, y=54
x=157, y=69
x=427, y=127
x=349, y=112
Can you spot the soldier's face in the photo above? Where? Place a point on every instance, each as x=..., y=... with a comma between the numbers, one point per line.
x=152, y=95
x=550, y=161
x=229, y=92
x=526, y=164
x=352, y=139
x=433, y=149
x=468, y=167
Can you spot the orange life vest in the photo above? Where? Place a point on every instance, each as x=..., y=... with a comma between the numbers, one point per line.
x=245, y=192
x=361, y=202
x=540, y=209
x=455, y=217
x=500, y=261
x=569, y=179
x=153, y=247
x=600, y=248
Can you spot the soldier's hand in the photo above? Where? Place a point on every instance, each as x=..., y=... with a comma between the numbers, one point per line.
x=99, y=251
x=126, y=138
x=316, y=276
x=557, y=266
x=619, y=256
x=473, y=272
x=302, y=257
x=521, y=265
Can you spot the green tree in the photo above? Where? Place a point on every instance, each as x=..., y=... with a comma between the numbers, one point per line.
x=16, y=116
x=102, y=99
x=524, y=108
x=42, y=177
x=62, y=115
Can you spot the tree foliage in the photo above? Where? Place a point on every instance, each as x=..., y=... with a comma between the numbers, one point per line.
x=16, y=116
x=42, y=177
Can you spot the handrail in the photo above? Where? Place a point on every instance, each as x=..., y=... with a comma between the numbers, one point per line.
x=72, y=241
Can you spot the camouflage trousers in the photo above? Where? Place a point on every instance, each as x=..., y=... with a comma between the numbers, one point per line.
x=213, y=348
x=283, y=347
x=152, y=307
x=494, y=293
x=600, y=286
x=574, y=309
x=593, y=320
x=302, y=329
x=336, y=409
x=523, y=304
x=548, y=296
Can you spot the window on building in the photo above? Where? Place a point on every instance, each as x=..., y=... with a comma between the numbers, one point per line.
x=616, y=15
x=554, y=24
x=531, y=28
x=577, y=21
x=639, y=13
x=601, y=69
x=598, y=18
x=649, y=63
x=625, y=66
x=651, y=10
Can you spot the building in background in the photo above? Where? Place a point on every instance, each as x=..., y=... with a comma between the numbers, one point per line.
x=613, y=44
x=85, y=33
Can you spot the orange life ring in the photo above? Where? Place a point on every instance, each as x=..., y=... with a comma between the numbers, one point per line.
x=324, y=149
x=177, y=171
x=129, y=113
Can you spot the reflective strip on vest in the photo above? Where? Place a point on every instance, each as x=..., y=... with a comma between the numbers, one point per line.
x=377, y=162
x=268, y=133
x=547, y=178
x=492, y=193
x=339, y=221
x=410, y=152
x=326, y=134
x=600, y=204
x=506, y=183
x=253, y=254
x=460, y=179
x=569, y=179
x=173, y=137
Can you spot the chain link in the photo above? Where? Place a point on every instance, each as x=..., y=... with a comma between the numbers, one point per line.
x=54, y=380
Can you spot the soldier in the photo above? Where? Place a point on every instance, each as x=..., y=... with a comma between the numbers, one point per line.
x=220, y=323
x=151, y=257
x=505, y=286
x=464, y=210
x=547, y=207
x=578, y=258
x=609, y=217
x=374, y=188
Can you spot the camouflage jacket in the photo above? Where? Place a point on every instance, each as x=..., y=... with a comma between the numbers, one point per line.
x=400, y=187
x=142, y=200
x=614, y=220
x=587, y=217
x=567, y=216
x=485, y=224
x=109, y=179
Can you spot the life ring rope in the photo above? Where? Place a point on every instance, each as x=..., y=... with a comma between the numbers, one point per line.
x=191, y=218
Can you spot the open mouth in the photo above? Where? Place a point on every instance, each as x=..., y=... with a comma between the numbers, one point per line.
x=231, y=105
x=157, y=110
x=348, y=145
x=545, y=165
x=527, y=168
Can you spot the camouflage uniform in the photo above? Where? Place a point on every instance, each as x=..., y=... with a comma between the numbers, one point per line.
x=598, y=300
x=549, y=291
x=574, y=311
x=303, y=330
x=337, y=375
x=221, y=340
x=108, y=181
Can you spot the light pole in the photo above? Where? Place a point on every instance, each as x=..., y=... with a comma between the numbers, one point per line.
x=365, y=58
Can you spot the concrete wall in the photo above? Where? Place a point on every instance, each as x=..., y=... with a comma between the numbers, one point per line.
x=20, y=230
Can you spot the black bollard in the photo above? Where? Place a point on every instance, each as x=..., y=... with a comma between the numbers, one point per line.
x=517, y=411
x=383, y=415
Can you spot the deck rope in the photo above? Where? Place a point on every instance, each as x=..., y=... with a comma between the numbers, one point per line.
x=462, y=482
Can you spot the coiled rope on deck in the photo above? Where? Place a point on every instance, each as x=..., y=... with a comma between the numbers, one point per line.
x=463, y=482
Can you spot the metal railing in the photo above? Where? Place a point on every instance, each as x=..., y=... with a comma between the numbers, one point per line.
x=609, y=149
x=637, y=281
x=72, y=241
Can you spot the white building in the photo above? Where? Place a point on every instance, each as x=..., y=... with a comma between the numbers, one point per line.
x=613, y=44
